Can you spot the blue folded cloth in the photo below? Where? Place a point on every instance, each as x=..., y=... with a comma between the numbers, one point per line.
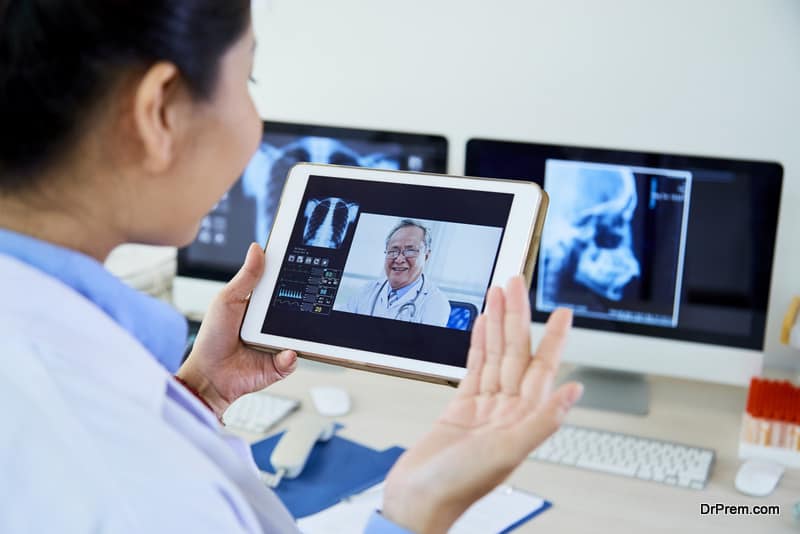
x=336, y=469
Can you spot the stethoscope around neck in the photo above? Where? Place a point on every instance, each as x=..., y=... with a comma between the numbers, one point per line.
x=410, y=305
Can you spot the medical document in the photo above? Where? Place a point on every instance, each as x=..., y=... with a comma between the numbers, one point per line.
x=496, y=512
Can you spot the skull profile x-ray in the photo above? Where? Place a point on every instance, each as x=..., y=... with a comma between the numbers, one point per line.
x=613, y=242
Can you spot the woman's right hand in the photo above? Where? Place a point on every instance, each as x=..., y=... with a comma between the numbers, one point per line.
x=503, y=409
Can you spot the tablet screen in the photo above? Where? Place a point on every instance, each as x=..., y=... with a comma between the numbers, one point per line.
x=388, y=268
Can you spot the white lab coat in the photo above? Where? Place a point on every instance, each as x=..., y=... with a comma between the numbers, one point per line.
x=425, y=304
x=98, y=437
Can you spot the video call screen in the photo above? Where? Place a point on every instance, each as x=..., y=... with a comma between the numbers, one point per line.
x=655, y=244
x=245, y=213
x=374, y=264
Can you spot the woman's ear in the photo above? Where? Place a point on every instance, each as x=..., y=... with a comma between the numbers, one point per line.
x=156, y=113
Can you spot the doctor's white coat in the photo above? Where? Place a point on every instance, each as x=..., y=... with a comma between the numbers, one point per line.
x=426, y=304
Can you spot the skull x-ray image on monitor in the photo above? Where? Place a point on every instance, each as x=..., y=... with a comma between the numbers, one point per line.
x=613, y=243
x=245, y=214
x=660, y=245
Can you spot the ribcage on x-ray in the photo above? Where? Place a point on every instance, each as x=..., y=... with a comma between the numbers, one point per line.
x=282, y=164
x=266, y=174
x=327, y=222
x=299, y=154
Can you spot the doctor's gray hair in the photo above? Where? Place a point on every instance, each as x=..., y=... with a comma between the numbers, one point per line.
x=426, y=234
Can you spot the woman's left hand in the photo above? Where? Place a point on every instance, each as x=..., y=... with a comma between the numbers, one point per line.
x=504, y=408
x=220, y=367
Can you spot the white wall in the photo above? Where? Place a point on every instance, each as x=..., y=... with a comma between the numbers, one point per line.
x=719, y=78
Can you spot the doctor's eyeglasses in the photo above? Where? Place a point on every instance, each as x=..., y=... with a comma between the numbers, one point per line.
x=393, y=253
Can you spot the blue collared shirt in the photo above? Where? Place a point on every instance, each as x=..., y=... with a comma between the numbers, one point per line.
x=162, y=332
x=156, y=325
x=403, y=290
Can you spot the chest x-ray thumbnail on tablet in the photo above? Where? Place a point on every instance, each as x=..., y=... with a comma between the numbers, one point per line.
x=371, y=262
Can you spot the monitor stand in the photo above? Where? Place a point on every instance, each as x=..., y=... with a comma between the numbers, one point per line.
x=615, y=391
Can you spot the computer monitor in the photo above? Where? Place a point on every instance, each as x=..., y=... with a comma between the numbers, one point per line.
x=245, y=212
x=665, y=259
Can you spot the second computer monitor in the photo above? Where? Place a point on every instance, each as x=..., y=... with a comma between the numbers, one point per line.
x=660, y=245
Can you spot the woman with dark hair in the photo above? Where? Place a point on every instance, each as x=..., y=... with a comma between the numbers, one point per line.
x=125, y=121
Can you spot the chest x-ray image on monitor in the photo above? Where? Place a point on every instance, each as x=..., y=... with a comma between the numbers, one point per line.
x=245, y=213
x=666, y=260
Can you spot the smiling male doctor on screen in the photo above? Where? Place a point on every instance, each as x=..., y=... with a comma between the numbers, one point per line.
x=406, y=293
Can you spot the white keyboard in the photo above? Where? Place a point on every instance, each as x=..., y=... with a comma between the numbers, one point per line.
x=626, y=455
x=257, y=412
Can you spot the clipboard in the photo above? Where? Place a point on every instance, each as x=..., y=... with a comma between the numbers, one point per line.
x=502, y=510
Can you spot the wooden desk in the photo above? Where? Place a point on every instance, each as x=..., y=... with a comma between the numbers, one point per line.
x=390, y=411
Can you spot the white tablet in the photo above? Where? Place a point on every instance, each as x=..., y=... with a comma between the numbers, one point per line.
x=387, y=271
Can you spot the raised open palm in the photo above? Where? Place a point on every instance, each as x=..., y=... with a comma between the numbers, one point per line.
x=503, y=409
